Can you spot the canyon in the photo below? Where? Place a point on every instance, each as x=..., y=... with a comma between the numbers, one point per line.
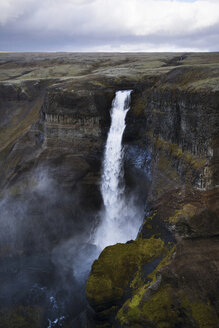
x=55, y=118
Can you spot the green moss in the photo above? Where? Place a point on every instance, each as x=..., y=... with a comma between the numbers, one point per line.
x=149, y=218
x=148, y=226
x=133, y=310
x=148, y=307
x=169, y=158
x=175, y=151
x=115, y=268
x=208, y=83
x=162, y=305
x=204, y=314
x=165, y=262
x=164, y=165
x=102, y=84
x=186, y=212
x=137, y=281
x=159, y=308
x=193, y=77
x=167, y=175
x=134, y=315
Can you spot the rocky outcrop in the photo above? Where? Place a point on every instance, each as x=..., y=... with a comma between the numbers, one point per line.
x=54, y=123
x=54, y=133
x=177, y=124
x=50, y=156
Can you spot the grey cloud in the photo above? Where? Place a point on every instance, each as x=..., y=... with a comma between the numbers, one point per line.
x=83, y=25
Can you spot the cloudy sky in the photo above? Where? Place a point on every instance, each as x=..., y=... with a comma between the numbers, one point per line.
x=109, y=25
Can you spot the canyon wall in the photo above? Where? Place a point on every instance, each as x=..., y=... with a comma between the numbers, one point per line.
x=52, y=135
x=168, y=276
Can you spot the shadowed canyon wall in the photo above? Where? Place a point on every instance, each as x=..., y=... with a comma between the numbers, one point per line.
x=52, y=136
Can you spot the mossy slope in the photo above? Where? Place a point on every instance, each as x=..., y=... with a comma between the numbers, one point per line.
x=116, y=269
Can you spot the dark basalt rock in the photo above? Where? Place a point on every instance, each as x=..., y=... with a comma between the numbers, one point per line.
x=52, y=134
x=177, y=125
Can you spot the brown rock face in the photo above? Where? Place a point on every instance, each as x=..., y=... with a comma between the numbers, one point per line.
x=54, y=122
x=180, y=131
x=58, y=132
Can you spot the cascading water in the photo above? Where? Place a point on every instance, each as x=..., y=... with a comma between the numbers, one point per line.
x=119, y=222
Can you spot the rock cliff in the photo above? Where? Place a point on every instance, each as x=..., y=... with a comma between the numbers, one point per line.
x=176, y=120
x=54, y=121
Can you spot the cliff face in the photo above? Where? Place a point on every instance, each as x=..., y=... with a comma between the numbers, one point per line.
x=57, y=132
x=52, y=133
x=52, y=138
x=176, y=122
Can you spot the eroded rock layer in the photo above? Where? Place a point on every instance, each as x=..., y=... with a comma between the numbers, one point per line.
x=54, y=121
x=177, y=120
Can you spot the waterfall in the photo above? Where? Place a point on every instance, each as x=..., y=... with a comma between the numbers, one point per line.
x=118, y=217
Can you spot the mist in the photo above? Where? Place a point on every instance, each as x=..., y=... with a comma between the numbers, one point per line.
x=49, y=239
x=46, y=232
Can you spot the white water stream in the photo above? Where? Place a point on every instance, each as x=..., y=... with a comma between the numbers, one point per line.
x=119, y=219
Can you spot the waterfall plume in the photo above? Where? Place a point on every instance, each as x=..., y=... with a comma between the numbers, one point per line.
x=119, y=222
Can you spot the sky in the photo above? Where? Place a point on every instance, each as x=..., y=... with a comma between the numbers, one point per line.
x=109, y=25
